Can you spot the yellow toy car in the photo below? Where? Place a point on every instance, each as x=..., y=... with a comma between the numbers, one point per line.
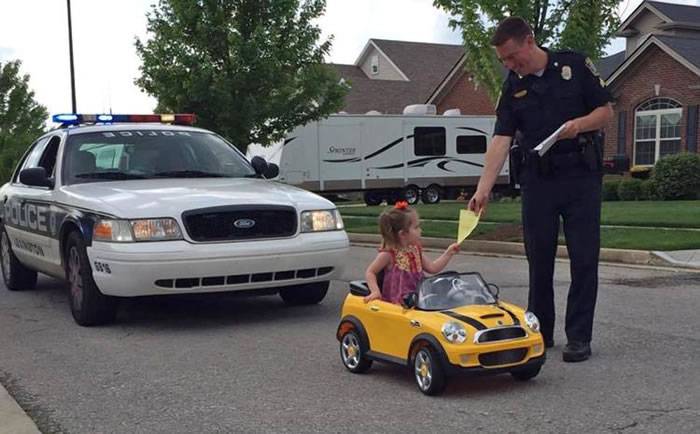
x=453, y=323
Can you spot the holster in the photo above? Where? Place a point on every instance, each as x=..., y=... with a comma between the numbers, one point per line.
x=517, y=163
x=592, y=150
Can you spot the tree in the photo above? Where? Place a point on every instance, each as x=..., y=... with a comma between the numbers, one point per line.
x=21, y=117
x=250, y=69
x=585, y=26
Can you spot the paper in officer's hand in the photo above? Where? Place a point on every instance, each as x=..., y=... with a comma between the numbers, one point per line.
x=549, y=141
x=467, y=222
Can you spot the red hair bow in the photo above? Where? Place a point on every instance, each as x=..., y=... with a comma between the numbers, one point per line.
x=401, y=204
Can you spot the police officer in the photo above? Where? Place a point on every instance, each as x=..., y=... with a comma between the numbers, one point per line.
x=543, y=91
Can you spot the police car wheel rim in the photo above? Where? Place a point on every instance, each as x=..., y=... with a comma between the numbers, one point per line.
x=350, y=351
x=423, y=370
x=76, y=282
x=5, y=252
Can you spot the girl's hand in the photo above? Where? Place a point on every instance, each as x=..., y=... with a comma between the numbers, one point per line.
x=453, y=248
x=372, y=296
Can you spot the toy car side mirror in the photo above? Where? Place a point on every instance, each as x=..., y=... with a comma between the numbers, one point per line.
x=409, y=301
x=494, y=289
x=359, y=288
x=35, y=176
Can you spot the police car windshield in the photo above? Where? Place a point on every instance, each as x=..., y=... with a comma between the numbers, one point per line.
x=453, y=290
x=150, y=154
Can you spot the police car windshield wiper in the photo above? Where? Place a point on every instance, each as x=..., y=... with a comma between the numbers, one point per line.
x=109, y=175
x=188, y=174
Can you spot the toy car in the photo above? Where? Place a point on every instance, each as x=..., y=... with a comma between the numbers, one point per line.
x=453, y=323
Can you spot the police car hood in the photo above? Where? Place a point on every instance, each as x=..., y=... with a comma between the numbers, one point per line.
x=171, y=197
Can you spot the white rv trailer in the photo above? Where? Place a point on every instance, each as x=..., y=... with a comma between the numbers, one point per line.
x=389, y=156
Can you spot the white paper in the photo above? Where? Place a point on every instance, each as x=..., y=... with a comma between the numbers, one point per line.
x=549, y=141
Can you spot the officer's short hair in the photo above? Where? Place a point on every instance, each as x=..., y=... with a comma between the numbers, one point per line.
x=514, y=28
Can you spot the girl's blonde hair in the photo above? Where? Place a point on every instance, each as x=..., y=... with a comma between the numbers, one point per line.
x=392, y=221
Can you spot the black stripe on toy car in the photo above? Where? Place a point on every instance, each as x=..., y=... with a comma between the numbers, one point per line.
x=471, y=321
x=513, y=317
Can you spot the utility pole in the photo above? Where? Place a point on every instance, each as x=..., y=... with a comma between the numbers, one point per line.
x=70, y=47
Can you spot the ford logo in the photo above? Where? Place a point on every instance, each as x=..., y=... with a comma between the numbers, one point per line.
x=244, y=223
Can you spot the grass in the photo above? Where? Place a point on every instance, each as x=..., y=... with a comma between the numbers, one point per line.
x=670, y=214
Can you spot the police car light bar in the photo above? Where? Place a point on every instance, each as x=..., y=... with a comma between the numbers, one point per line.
x=76, y=119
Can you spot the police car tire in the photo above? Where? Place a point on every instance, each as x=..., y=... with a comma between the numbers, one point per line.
x=20, y=277
x=95, y=308
x=431, y=194
x=311, y=293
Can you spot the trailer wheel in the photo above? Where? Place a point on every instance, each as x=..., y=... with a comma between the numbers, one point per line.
x=411, y=194
x=372, y=198
x=431, y=195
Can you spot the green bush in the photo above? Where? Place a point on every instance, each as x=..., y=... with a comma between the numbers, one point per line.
x=677, y=176
x=649, y=190
x=630, y=189
x=610, y=187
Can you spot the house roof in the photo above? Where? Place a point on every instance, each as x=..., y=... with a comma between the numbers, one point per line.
x=688, y=48
x=425, y=65
x=676, y=12
x=607, y=65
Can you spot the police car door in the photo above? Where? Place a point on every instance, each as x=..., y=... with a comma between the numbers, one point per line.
x=27, y=210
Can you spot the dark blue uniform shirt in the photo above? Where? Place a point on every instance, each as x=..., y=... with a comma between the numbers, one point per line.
x=535, y=107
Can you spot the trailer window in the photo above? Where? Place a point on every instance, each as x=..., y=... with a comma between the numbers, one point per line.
x=471, y=144
x=429, y=140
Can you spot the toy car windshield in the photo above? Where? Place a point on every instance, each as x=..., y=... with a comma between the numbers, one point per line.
x=453, y=290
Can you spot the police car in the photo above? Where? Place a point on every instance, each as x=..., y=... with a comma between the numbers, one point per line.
x=133, y=205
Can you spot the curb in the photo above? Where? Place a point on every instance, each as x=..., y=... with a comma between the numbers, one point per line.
x=621, y=256
x=13, y=420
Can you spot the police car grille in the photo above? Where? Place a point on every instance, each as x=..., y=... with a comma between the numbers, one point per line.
x=501, y=334
x=240, y=223
x=502, y=357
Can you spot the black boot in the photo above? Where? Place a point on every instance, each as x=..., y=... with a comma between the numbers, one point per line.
x=576, y=351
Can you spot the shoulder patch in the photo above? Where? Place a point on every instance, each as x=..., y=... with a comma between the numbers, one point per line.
x=591, y=66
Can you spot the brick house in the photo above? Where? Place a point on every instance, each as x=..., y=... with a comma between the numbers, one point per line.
x=656, y=84
x=389, y=75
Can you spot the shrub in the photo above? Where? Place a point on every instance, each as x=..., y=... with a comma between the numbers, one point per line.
x=649, y=190
x=677, y=176
x=610, y=189
x=640, y=172
x=630, y=189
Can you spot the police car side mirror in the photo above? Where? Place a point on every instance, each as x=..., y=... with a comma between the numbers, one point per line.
x=36, y=177
x=259, y=165
x=272, y=171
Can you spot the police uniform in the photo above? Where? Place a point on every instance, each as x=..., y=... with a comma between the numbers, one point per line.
x=563, y=183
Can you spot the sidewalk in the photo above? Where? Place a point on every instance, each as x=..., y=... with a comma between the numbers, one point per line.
x=689, y=259
x=13, y=420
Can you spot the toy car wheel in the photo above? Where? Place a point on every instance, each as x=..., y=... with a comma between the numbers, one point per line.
x=429, y=373
x=311, y=293
x=431, y=195
x=351, y=353
x=525, y=374
x=15, y=275
x=411, y=194
x=87, y=304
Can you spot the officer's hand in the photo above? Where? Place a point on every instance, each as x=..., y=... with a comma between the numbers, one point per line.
x=571, y=129
x=478, y=202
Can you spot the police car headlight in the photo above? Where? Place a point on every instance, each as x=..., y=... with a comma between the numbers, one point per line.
x=321, y=220
x=136, y=230
x=454, y=332
x=532, y=322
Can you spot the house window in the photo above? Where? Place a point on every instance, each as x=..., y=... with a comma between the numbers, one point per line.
x=471, y=144
x=374, y=64
x=657, y=130
x=429, y=140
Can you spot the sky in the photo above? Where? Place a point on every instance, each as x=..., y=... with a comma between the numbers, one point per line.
x=105, y=60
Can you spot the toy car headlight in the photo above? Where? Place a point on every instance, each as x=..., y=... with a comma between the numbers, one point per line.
x=136, y=230
x=532, y=322
x=454, y=332
x=321, y=220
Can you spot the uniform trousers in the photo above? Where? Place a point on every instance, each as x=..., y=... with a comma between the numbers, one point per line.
x=574, y=198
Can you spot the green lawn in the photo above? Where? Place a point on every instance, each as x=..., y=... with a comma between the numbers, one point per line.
x=676, y=214
x=620, y=238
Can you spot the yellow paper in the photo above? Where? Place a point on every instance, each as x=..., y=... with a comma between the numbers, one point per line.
x=467, y=222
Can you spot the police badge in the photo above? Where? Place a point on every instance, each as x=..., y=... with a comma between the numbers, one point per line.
x=566, y=72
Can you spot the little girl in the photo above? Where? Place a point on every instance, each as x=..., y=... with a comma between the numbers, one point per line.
x=401, y=256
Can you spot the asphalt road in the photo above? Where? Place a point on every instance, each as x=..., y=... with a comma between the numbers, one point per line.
x=224, y=363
